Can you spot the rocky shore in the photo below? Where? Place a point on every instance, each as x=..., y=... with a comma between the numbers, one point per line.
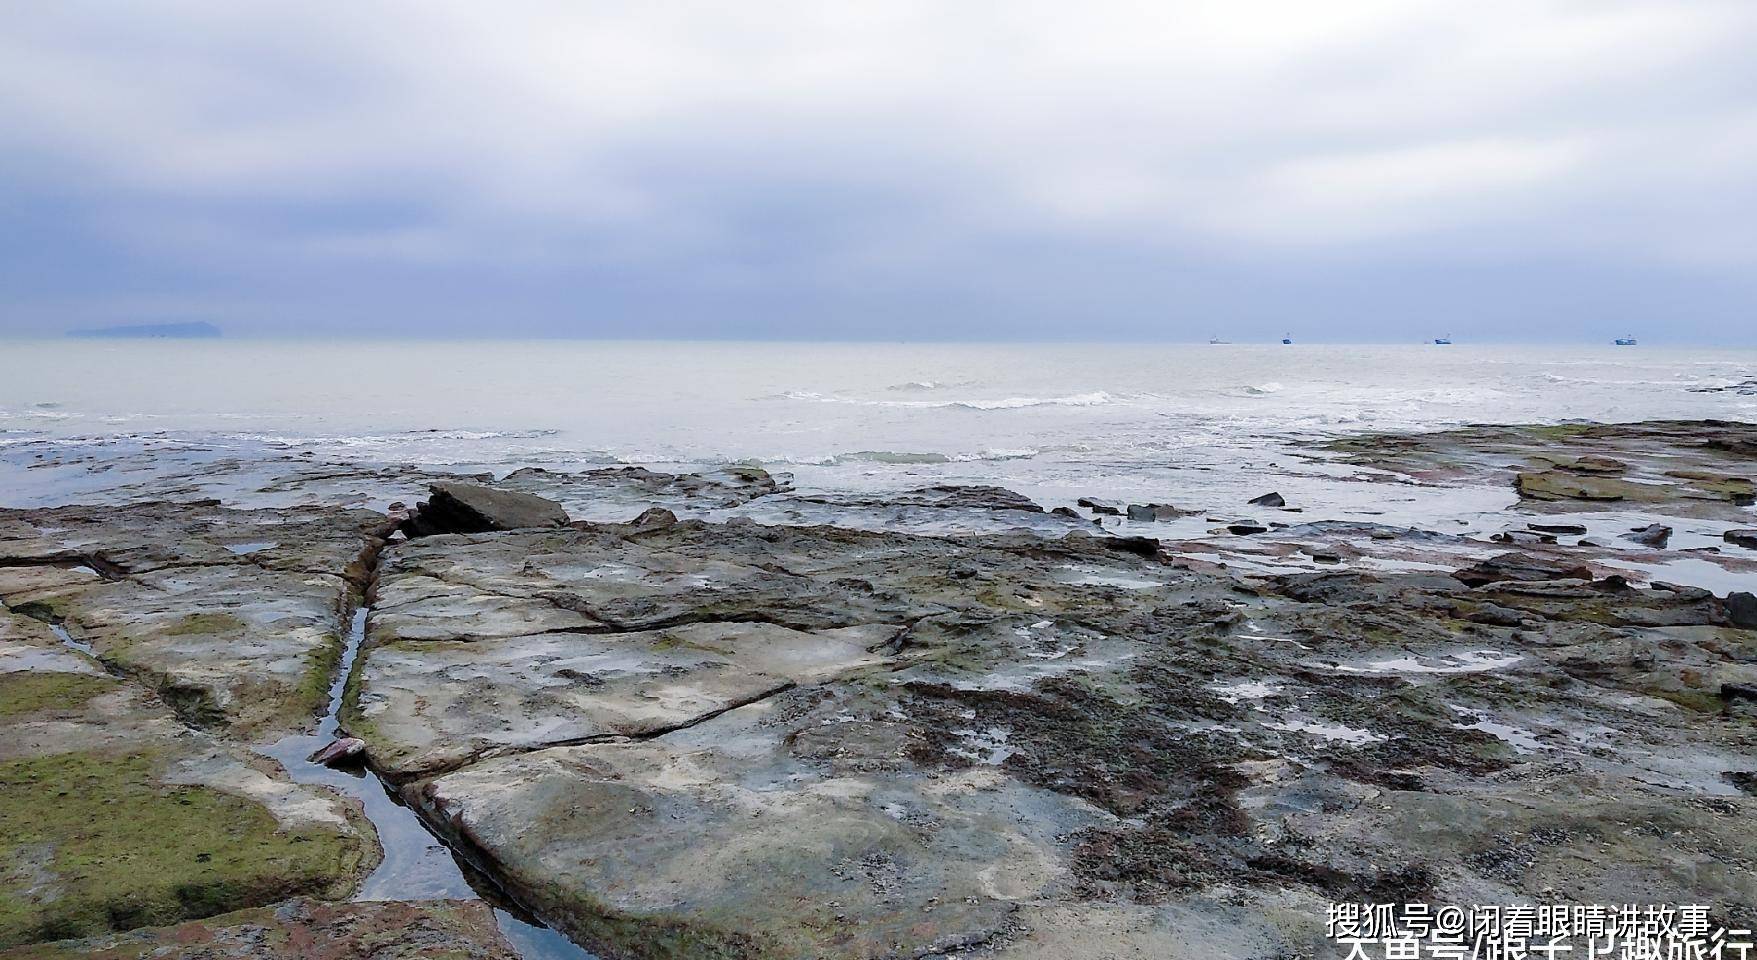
x=940, y=722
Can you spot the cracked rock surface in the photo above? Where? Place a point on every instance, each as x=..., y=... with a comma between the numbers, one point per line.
x=305, y=929
x=944, y=722
x=1047, y=744
x=114, y=814
x=234, y=617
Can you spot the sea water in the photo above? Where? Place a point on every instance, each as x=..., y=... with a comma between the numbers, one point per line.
x=846, y=415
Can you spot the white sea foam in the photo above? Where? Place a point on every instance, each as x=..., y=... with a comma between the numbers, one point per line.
x=1092, y=399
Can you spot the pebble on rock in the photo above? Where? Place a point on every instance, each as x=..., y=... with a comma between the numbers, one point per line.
x=1098, y=506
x=339, y=752
x=1154, y=511
x=1652, y=535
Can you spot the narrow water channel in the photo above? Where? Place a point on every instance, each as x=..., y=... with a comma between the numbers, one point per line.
x=67, y=640
x=416, y=865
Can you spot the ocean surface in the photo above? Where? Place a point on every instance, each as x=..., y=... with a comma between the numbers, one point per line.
x=1196, y=424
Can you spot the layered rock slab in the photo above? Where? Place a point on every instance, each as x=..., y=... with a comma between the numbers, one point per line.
x=740, y=837
x=304, y=929
x=113, y=814
x=421, y=704
x=235, y=617
x=1693, y=468
x=457, y=507
x=1154, y=735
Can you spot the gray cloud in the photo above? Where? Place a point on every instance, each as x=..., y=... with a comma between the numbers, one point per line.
x=1357, y=169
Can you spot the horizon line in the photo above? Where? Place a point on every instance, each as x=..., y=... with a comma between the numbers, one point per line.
x=70, y=337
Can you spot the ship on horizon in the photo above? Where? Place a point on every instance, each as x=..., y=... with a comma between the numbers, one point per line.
x=1625, y=341
x=1445, y=341
x=1287, y=338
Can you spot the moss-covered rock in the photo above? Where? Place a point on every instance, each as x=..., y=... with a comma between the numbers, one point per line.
x=96, y=842
x=24, y=693
x=1564, y=485
x=304, y=930
x=234, y=617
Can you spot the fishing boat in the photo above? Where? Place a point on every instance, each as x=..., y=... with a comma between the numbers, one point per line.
x=1443, y=341
x=1625, y=341
x=1217, y=340
x=1287, y=339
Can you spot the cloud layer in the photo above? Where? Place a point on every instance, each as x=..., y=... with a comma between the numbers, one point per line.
x=1357, y=169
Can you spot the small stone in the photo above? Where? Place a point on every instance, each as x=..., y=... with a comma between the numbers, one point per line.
x=1268, y=500
x=655, y=518
x=1245, y=529
x=1145, y=546
x=339, y=752
x=1738, y=691
x=1741, y=538
x=1148, y=512
x=1522, y=536
x=1741, y=608
x=1652, y=535
x=1104, y=507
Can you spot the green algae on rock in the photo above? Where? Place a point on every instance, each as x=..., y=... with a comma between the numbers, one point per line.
x=100, y=842
x=51, y=693
x=303, y=929
x=113, y=814
x=1684, y=468
x=229, y=639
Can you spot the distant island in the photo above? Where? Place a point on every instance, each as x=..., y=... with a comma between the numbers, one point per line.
x=199, y=329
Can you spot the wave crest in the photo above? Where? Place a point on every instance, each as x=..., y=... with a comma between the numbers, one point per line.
x=1093, y=399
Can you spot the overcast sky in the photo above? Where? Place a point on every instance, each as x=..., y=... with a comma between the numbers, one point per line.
x=1156, y=170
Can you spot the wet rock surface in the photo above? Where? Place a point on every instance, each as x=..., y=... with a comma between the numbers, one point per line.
x=114, y=814
x=938, y=722
x=473, y=508
x=1705, y=470
x=234, y=617
x=304, y=930
x=587, y=494
x=1153, y=511
x=1039, y=744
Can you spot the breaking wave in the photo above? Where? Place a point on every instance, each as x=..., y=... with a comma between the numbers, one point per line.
x=1093, y=399
x=1596, y=381
x=888, y=456
x=407, y=436
x=903, y=457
